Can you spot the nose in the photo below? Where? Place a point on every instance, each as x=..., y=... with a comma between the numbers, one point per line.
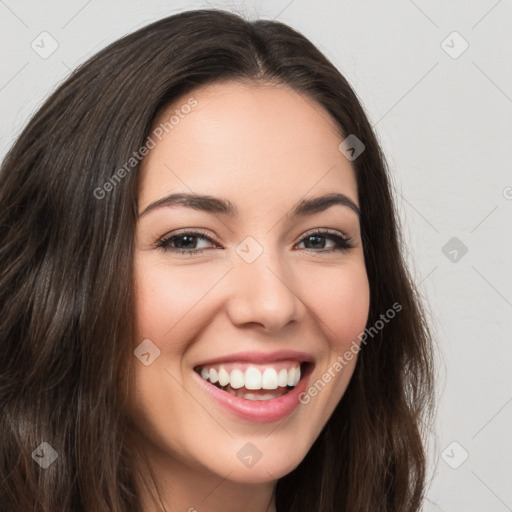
x=264, y=292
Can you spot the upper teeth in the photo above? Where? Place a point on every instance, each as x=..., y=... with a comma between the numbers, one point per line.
x=253, y=377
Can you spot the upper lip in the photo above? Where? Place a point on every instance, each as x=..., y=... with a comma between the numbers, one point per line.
x=260, y=357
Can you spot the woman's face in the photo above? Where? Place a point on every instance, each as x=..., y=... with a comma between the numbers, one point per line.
x=264, y=295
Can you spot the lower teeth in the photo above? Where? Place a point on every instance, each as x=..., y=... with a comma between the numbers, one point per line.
x=255, y=396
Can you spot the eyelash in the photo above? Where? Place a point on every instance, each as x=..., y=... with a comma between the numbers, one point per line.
x=343, y=243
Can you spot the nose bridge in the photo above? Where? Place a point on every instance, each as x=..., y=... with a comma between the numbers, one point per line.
x=263, y=289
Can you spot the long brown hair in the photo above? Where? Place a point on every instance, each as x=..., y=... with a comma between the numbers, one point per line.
x=66, y=281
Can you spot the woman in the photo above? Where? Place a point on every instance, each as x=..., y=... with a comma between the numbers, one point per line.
x=204, y=301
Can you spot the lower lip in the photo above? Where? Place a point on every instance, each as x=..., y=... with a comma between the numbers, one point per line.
x=257, y=411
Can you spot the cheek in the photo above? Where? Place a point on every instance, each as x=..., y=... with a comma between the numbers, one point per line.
x=165, y=295
x=154, y=305
x=342, y=301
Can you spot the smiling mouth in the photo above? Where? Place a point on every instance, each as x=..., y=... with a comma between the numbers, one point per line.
x=255, y=382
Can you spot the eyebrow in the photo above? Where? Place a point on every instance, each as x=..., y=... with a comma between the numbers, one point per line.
x=220, y=206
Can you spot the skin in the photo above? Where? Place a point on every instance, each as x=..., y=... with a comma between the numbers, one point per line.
x=263, y=147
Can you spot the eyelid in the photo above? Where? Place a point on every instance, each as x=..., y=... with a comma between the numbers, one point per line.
x=186, y=231
x=325, y=231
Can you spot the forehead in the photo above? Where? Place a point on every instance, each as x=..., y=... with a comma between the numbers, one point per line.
x=246, y=141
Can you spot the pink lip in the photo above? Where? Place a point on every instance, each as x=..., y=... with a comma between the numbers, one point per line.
x=260, y=357
x=260, y=411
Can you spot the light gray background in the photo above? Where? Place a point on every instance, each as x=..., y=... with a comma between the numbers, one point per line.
x=445, y=124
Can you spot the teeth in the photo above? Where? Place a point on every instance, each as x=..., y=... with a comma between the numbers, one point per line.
x=269, y=379
x=223, y=376
x=282, y=379
x=214, y=377
x=254, y=378
x=291, y=376
x=249, y=395
x=236, y=379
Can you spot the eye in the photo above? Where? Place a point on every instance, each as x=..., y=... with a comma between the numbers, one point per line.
x=186, y=242
x=341, y=241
